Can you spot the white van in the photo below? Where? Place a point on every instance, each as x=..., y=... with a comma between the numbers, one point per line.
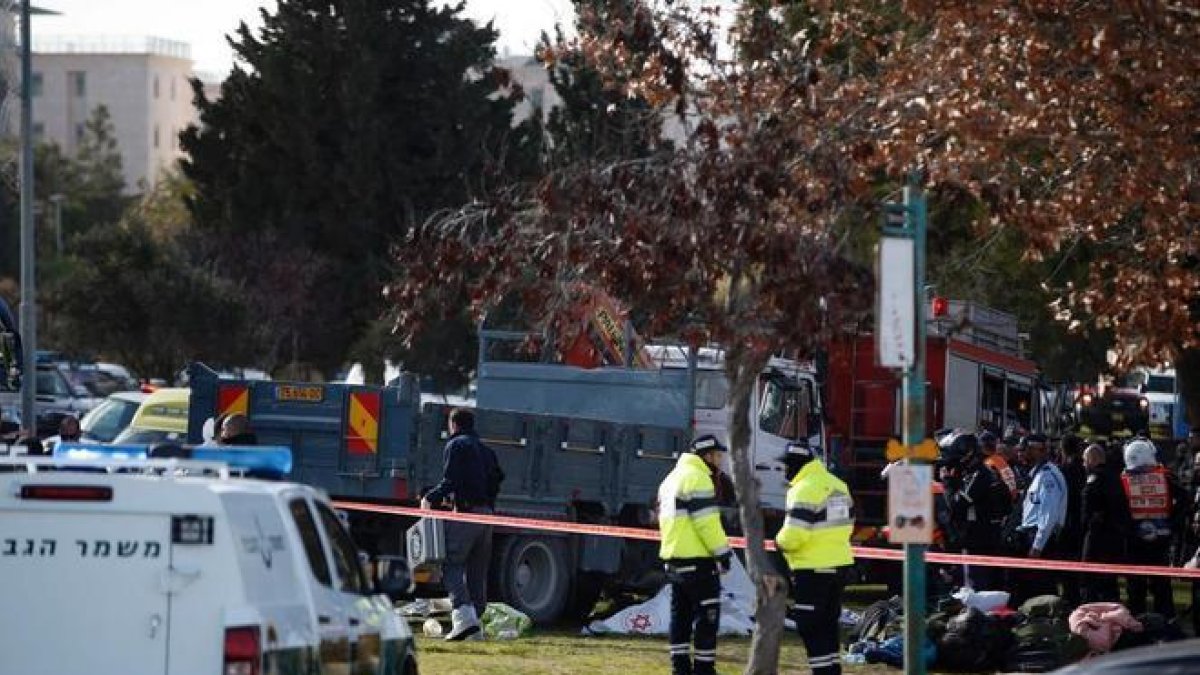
x=173, y=566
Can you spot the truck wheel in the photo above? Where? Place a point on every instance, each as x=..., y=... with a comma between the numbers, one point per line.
x=534, y=576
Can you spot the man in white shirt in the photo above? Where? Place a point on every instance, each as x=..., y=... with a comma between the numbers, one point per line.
x=1043, y=514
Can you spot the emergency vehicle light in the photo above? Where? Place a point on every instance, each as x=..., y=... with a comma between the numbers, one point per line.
x=262, y=460
x=274, y=460
x=97, y=451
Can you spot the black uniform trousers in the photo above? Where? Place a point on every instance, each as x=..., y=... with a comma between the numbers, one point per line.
x=695, y=615
x=816, y=609
x=1155, y=552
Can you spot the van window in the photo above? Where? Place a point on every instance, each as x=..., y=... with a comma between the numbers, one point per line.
x=345, y=553
x=311, y=540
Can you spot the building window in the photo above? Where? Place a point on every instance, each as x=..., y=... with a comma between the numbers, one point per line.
x=156, y=135
x=77, y=81
x=172, y=87
x=39, y=131
x=35, y=84
x=155, y=86
x=80, y=131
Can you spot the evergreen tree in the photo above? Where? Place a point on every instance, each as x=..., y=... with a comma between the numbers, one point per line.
x=343, y=125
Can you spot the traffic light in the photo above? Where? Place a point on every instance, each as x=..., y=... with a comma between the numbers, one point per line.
x=939, y=307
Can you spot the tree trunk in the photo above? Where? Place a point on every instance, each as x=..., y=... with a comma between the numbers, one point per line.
x=771, y=588
x=1187, y=380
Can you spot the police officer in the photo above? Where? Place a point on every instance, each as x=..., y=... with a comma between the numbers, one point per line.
x=695, y=552
x=1152, y=495
x=815, y=541
x=1043, y=514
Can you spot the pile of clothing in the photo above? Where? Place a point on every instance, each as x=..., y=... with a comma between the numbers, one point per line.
x=978, y=632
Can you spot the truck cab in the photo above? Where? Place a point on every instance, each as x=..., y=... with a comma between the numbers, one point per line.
x=785, y=408
x=114, y=560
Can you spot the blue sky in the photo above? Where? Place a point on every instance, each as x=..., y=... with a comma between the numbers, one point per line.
x=203, y=23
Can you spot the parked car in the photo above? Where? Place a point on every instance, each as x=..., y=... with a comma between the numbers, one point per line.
x=161, y=417
x=55, y=397
x=107, y=420
x=101, y=379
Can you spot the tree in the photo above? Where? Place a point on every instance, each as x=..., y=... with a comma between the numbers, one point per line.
x=138, y=300
x=1067, y=122
x=597, y=119
x=343, y=125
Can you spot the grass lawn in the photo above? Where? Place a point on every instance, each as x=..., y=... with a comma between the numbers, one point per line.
x=563, y=653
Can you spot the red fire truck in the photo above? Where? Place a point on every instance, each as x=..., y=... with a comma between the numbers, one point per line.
x=977, y=376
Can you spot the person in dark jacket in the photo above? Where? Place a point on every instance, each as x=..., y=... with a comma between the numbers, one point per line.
x=470, y=482
x=1104, y=518
x=974, y=494
x=1071, y=539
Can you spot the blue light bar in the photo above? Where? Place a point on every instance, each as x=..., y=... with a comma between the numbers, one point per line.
x=98, y=451
x=259, y=460
x=274, y=460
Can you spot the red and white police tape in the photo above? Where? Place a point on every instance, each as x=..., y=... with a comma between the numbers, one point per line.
x=869, y=552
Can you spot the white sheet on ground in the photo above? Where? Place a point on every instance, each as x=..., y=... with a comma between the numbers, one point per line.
x=653, y=617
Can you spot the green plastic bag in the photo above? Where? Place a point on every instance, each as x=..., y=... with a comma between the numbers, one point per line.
x=501, y=622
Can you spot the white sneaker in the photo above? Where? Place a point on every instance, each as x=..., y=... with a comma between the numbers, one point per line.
x=464, y=623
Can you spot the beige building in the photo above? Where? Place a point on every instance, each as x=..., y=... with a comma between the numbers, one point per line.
x=143, y=81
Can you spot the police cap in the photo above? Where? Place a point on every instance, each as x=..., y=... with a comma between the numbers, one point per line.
x=706, y=443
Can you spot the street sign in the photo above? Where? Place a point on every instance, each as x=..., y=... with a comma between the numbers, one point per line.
x=895, y=314
x=910, y=504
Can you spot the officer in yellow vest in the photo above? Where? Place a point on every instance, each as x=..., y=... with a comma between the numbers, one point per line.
x=815, y=541
x=695, y=552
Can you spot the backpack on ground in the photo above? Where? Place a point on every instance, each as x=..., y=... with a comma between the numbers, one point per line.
x=1046, y=607
x=1042, y=644
x=880, y=621
x=972, y=641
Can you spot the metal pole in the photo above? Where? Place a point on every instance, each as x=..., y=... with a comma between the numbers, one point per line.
x=914, y=433
x=28, y=312
x=57, y=200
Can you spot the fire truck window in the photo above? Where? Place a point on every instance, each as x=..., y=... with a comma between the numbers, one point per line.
x=1020, y=405
x=712, y=389
x=991, y=402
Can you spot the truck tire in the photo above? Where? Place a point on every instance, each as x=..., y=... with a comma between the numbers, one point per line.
x=534, y=576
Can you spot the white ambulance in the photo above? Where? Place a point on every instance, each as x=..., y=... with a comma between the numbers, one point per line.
x=111, y=562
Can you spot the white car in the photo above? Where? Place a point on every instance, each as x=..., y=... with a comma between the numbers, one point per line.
x=174, y=567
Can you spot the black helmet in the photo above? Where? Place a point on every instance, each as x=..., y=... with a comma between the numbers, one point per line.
x=706, y=443
x=958, y=446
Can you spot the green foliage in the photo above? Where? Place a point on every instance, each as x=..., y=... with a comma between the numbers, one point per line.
x=597, y=120
x=90, y=185
x=138, y=300
x=343, y=125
